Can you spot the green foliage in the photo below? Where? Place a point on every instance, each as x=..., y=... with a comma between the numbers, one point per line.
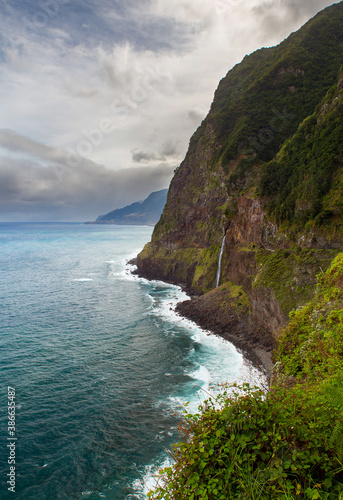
x=312, y=343
x=299, y=180
x=291, y=274
x=258, y=447
x=194, y=266
x=236, y=299
x=206, y=261
x=244, y=166
x=262, y=100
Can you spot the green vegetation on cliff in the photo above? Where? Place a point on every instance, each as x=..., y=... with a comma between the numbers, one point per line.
x=265, y=168
x=304, y=181
x=291, y=273
x=196, y=265
x=311, y=346
x=261, y=101
x=287, y=444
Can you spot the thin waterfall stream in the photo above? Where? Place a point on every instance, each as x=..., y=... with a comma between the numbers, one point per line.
x=219, y=268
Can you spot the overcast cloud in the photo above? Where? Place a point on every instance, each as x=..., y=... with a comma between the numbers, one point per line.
x=99, y=97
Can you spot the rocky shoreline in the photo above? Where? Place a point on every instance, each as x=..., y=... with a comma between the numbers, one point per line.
x=256, y=345
x=212, y=312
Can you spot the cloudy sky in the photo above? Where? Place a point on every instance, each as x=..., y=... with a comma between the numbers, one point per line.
x=100, y=97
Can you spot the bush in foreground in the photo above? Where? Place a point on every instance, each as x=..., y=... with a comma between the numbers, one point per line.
x=282, y=445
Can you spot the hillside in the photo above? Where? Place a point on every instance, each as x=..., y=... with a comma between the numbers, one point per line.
x=264, y=172
x=145, y=213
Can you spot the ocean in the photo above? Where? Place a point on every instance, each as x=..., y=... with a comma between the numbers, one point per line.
x=98, y=364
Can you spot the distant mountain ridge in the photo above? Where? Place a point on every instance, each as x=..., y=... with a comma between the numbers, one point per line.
x=145, y=213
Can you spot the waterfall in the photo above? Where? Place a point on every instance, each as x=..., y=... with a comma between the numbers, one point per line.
x=219, y=268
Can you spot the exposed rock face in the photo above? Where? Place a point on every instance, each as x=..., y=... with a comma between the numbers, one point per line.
x=250, y=229
x=195, y=197
x=215, y=192
x=251, y=224
x=225, y=311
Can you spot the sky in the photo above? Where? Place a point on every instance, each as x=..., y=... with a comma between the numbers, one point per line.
x=99, y=98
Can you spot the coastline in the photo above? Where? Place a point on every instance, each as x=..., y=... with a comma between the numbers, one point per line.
x=255, y=345
x=254, y=365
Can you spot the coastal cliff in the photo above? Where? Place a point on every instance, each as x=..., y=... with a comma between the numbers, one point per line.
x=263, y=171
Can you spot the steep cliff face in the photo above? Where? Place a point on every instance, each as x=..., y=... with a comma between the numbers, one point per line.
x=185, y=242
x=233, y=179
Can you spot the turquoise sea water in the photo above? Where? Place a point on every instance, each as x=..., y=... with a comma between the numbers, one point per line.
x=100, y=363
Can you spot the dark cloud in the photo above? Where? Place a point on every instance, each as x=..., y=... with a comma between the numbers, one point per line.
x=169, y=150
x=68, y=187
x=18, y=143
x=277, y=15
x=144, y=157
x=61, y=193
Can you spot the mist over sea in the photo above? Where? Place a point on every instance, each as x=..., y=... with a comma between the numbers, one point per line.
x=100, y=363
